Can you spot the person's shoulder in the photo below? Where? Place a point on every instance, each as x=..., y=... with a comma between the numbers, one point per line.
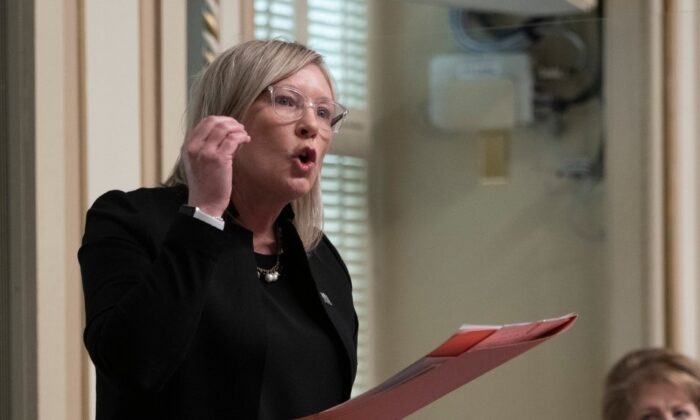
x=325, y=242
x=142, y=213
x=157, y=198
x=325, y=250
x=143, y=208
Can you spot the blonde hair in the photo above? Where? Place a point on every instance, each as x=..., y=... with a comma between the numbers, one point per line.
x=647, y=366
x=230, y=85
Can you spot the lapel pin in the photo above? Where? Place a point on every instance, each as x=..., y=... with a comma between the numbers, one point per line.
x=326, y=300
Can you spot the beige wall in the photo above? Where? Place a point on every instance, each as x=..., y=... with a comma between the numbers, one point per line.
x=112, y=89
x=456, y=251
x=58, y=299
x=634, y=288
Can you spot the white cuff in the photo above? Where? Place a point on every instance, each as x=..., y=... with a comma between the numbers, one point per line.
x=217, y=222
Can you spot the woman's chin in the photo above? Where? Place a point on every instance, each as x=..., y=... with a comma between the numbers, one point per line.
x=299, y=187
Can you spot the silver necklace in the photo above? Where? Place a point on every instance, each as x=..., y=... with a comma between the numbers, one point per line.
x=271, y=274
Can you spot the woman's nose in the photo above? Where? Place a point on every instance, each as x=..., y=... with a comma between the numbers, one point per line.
x=307, y=125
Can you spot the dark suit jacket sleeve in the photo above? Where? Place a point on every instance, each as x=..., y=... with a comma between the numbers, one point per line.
x=145, y=274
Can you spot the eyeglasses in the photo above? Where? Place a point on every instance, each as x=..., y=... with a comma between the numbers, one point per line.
x=290, y=104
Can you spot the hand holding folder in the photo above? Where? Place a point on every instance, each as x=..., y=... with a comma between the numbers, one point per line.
x=472, y=351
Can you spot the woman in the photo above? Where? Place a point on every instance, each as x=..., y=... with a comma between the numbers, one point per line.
x=217, y=296
x=652, y=384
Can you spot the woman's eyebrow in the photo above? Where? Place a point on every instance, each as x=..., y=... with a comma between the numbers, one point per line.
x=298, y=89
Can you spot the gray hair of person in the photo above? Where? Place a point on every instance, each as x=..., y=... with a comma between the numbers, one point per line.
x=230, y=85
x=643, y=367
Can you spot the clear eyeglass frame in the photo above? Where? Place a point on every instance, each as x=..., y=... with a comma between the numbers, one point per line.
x=290, y=105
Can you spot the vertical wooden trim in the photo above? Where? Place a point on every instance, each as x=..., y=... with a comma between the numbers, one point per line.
x=668, y=194
x=301, y=21
x=113, y=96
x=77, y=362
x=150, y=67
x=231, y=23
x=82, y=101
x=58, y=296
x=86, y=364
x=18, y=135
x=247, y=20
x=173, y=81
x=5, y=243
x=656, y=290
x=681, y=132
x=195, y=42
x=18, y=359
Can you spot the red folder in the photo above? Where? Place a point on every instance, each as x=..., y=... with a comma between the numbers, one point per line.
x=469, y=353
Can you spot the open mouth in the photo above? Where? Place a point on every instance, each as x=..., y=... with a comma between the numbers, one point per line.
x=307, y=156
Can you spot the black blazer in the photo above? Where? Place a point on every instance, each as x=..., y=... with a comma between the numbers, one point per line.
x=174, y=321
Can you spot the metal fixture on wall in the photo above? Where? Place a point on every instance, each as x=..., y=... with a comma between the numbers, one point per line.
x=562, y=81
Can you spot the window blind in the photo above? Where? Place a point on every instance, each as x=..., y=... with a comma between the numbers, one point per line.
x=346, y=223
x=338, y=30
x=335, y=28
x=274, y=19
